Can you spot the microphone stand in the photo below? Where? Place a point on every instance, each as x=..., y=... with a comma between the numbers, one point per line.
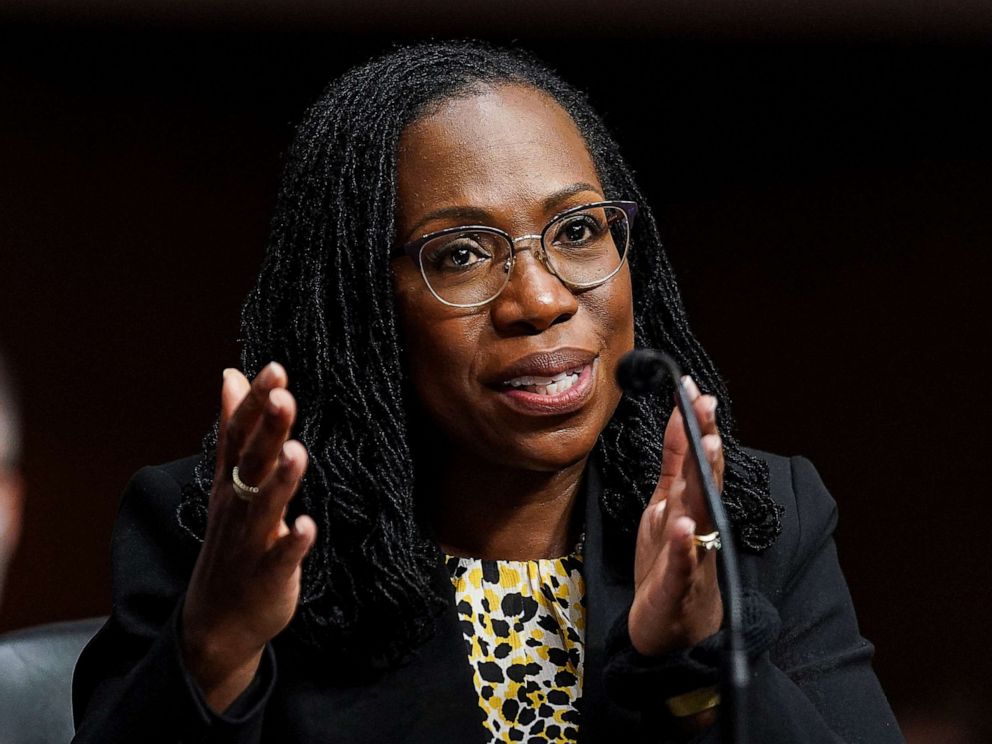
x=643, y=371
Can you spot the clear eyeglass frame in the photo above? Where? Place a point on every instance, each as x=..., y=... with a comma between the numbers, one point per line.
x=414, y=249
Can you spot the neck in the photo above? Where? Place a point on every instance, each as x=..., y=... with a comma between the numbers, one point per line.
x=483, y=510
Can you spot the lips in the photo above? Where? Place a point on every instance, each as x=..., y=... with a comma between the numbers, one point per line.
x=548, y=383
x=544, y=364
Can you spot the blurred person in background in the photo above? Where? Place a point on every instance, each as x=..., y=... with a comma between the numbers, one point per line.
x=11, y=483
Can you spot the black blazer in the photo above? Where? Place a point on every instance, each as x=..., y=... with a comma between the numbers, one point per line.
x=815, y=684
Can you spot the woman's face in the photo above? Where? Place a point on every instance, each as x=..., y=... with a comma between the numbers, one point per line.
x=508, y=157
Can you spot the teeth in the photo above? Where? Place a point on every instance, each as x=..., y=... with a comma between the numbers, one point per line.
x=546, y=385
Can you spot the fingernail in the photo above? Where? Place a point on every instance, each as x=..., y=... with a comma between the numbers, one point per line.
x=711, y=408
x=690, y=387
x=284, y=456
x=273, y=404
x=226, y=372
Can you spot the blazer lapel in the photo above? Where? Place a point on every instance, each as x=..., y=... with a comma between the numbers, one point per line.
x=608, y=564
x=432, y=696
x=428, y=698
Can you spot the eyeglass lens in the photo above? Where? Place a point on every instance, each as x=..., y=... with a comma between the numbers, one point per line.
x=583, y=248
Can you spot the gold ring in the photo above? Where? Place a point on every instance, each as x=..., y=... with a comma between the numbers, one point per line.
x=241, y=489
x=708, y=542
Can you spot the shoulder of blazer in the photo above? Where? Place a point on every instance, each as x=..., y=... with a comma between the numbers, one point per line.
x=809, y=516
x=152, y=555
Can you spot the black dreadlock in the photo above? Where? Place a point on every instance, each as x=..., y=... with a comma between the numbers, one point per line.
x=323, y=306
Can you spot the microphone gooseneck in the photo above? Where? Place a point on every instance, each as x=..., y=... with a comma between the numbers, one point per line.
x=645, y=371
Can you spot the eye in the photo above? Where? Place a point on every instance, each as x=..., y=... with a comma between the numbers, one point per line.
x=456, y=253
x=579, y=229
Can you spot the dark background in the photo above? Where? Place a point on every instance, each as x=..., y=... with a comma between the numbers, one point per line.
x=822, y=183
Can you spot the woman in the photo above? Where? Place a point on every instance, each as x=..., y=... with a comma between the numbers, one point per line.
x=499, y=546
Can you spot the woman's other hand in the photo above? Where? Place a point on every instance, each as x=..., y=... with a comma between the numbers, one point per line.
x=246, y=581
x=676, y=596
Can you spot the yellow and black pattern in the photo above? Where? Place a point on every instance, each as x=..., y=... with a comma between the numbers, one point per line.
x=524, y=625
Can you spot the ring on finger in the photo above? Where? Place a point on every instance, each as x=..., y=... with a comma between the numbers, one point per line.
x=241, y=489
x=708, y=542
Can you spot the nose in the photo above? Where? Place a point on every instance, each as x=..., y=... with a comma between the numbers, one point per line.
x=534, y=299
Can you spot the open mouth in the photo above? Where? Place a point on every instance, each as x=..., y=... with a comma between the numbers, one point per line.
x=559, y=383
x=559, y=393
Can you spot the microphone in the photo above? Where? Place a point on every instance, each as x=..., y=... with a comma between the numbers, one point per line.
x=645, y=371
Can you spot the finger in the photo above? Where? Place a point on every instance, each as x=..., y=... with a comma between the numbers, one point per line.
x=653, y=531
x=673, y=450
x=285, y=556
x=244, y=418
x=683, y=558
x=268, y=508
x=671, y=576
x=694, y=495
x=675, y=445
x=689, y=569
x=677, y=505
x=713, y=449
x=650, y=539
x=232, y=392
x=258, y=455
x=705, y=409
x=703, y=406
x=691, y=389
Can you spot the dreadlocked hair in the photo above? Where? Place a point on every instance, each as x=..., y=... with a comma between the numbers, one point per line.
x=323, y=306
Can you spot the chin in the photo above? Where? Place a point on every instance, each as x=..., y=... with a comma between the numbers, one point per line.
x=552, y=449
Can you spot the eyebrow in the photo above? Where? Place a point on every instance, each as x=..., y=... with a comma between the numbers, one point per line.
x=481, y=216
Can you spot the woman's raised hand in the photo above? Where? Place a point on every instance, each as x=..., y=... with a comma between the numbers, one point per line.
x=676, y=596
x=246, y=581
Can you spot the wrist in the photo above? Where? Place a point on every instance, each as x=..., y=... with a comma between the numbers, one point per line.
x=637, y=681
x=221, y=665
x=650, y=640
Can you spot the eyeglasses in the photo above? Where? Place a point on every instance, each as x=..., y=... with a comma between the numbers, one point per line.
x=469, y=266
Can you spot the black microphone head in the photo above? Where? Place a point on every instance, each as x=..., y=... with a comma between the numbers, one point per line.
x=643, y=371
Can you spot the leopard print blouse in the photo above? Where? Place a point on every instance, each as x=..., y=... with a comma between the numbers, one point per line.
x=524, y=626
